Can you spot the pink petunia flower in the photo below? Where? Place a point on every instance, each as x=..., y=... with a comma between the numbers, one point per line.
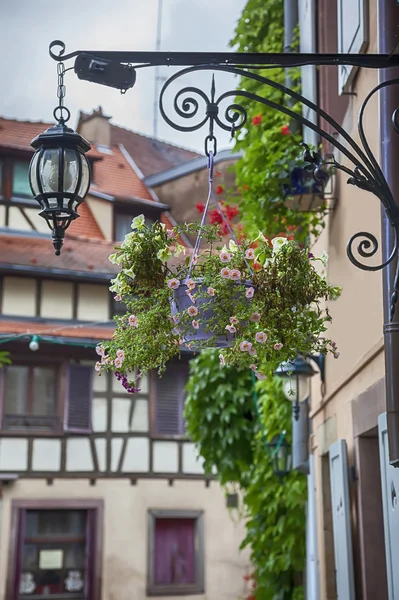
x=189, y=294
x=170, y=233
x=100, y=350
x=235, y=274
x=190, y=283
x=118, y=363
x=117, y=298
x=195, y=324
x=261, y=337
x=278, y=346
x=222, y=360
x=245, y=346
x=120, y=354
x=252, y=351
x=225, y=257
x=233, y=320
x=255, y=317
x=250, y=292
x=133, y=321
x=173, y=283
x=192, y=311
x=225, y=272
x=253, y=367
x=250, y=254
x=260, y=376
x=97, y=366
x=231, y=328
x=211, y=291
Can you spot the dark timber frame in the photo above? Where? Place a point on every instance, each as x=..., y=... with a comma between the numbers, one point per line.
x=119, y=69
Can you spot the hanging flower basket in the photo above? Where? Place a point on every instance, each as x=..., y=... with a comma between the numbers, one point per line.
x=259, y=302
x=207, y=329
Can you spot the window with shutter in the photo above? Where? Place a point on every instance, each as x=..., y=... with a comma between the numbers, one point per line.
x=29, y=395
x=390, y=493
x=79, y=398
x=341, y=521
x=175, y=553
x=352, y=36
x=168, y=399
x=307, y=29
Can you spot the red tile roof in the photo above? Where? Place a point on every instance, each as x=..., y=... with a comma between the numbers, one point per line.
x=150, y=155
x=95, y=332
x=114, y=176
x=78, y=253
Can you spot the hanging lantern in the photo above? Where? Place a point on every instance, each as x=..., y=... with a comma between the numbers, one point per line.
x=59, y=177
x=281, y=457
x=296, y=376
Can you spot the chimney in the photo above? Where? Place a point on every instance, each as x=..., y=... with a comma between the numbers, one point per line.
x=95, y=127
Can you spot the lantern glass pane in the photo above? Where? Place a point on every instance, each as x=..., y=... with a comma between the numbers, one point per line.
x=32, y=174
x=71, y=170
x=296, y=388
x=49, y=165
x=85, y=181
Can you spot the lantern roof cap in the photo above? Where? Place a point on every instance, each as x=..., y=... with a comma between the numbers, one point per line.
x=298, y=366
x=63, y=135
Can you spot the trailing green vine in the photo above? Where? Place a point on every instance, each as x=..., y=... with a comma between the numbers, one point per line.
x=270, y=143
x=222, y=421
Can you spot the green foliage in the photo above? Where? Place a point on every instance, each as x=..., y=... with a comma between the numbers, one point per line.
x=5, y=358
x=267, y=297
x=271, y=140
x=221, y=420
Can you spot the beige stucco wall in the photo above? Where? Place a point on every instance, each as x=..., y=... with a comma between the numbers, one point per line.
x=103, y=212
x=125, y=531
x=357, y=314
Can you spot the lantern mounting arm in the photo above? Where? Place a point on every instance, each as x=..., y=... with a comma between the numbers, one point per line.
x=118, y=69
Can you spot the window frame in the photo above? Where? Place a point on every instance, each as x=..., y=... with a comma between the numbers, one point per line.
x=131, y=211
x=18, y=510
x=55, y=422
x=153, y=382
x=176, y=590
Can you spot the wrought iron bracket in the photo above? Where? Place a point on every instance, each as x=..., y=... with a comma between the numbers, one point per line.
x=119, y=69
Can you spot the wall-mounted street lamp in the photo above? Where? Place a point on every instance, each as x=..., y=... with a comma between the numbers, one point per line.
x=296, y=375
x=280, y=455
x=118, y=69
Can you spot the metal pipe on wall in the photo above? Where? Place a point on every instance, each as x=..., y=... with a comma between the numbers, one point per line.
x=388, y=36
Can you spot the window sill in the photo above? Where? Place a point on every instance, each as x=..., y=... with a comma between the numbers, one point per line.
x=173, y=590
x=178, y=437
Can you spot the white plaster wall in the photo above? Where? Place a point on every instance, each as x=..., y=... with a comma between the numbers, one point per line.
x=2, y=215
x=99, y=414
x=165, y=457
x=38, y=222
x=16, y=220
x=120, y=415
x=78, y=455
x=57, y=300
x=125, y=532
x=137, y=456
x=192, y=463
x=93, y=302
x=140, y=416
x=102, y=211
x=116, y=449
x=101, y=451
x=46, y=455
x=19, y=296
x=13, y=454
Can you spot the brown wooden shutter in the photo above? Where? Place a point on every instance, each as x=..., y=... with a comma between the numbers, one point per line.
x=169, y=399
x=79, y=398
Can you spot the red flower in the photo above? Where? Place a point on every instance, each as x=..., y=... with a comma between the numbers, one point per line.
x=257, y=266
x=231, y=212
x=257, y=120
x=218, y=174
x=215, y=217
x=200, y=207
x=285, y=130
x=219, y=189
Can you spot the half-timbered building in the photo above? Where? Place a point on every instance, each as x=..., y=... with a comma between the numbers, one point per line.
x=102, y=495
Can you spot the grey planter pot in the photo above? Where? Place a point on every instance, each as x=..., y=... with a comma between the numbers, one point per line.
x=182, y=302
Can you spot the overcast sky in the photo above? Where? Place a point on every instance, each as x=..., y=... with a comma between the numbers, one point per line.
x=28, y=74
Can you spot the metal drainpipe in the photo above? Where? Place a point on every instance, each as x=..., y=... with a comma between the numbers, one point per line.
x=388, y=32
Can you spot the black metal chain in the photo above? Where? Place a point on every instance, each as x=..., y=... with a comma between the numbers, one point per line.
x=61, y=113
